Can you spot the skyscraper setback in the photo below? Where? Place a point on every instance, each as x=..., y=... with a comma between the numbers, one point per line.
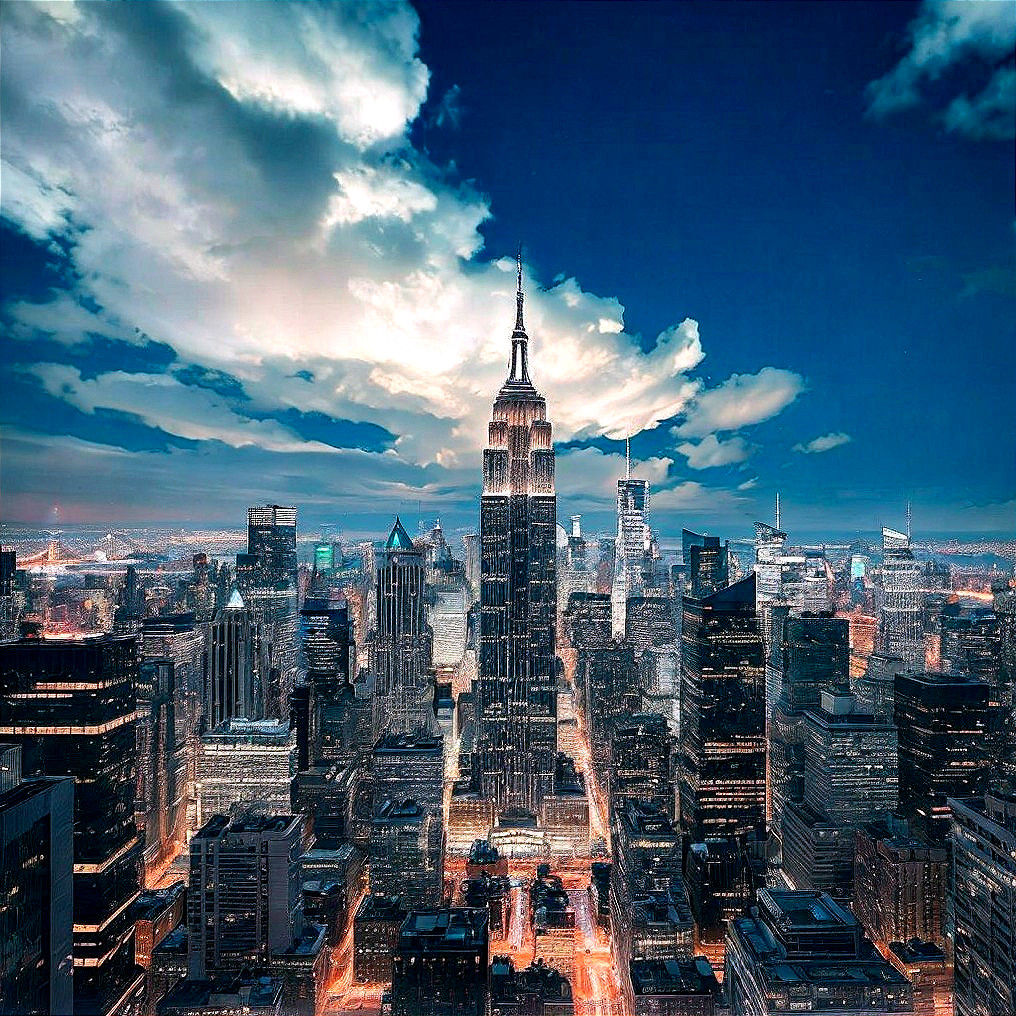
x=516, y=705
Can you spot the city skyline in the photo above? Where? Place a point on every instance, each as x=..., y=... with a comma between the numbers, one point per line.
x=314, y=305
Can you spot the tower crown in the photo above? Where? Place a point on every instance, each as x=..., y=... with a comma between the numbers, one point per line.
x=399, y=539
x=518, y=366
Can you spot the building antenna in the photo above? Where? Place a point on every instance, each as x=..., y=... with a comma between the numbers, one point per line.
x=777, y=509
x=908, y=521
x=627, y=457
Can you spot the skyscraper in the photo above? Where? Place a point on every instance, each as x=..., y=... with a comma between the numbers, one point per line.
x=942, y=722
x=231, y=666
x=404, y=642
x=983, y=903
x=633, y=547
x=36, y=865
x=71, y=707
x=271, y=537
x=900, y=600
x=515, y=686
x=723, y=743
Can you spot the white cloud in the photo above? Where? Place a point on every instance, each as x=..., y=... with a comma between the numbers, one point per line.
x=710, y=452
x=944, y=34
x=741, y=401
x=748, y=484
x=238, y=181
x=823, y=443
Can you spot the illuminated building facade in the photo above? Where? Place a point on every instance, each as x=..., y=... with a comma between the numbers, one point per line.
x=407, y=853
x=900, y=884
x=36, y=872
x=723, y=745
x=246, y=764
x=900, y=598
x=800, y=951
x=516, y=709
x=71, y=706
x=983, y=903
x=403, y=646
x=632, y=549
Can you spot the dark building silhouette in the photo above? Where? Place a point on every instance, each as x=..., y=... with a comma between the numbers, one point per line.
x=71, y=706
x=36, y=871
x=441, y=963
x=232, y=668
x=723, y=745
x=942, y=721
x=516, y=702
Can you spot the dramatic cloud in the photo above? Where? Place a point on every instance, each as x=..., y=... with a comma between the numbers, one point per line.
x=237, y=183
x=950, y=34
x=823, y=443
x=741, y=401
x=710, y=452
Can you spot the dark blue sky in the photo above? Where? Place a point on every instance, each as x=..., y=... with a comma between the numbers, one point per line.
x=715, y=160
x=234, y=270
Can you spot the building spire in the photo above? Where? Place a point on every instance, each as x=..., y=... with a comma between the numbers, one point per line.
x=519, y=325
x=627, y=457
x=777, y=509
x=909, y=521
x=519, y=367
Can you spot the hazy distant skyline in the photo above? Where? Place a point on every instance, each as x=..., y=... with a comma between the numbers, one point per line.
x=264, y=253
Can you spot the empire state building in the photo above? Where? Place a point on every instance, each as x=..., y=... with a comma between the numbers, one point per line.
x=516, y=700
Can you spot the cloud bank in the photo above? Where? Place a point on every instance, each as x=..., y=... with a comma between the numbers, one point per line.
x=237, y=183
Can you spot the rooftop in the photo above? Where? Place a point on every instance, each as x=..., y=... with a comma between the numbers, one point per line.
x=673, y=977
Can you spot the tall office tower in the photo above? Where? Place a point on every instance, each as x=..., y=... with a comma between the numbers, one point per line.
x=162, y=763
x=850, y=777
x=942, y=722
x=900, y=884
x=328, y=654
x=800, y=951
x=640, y=762
x=130, y=603
x=608, y=683
x=769, y=553
x=36, y=872
x=267, y=578
x=407, y=853
x=245, y=764
x=245, y=899
x=232, y=669
x=202, y=589
x=441, y=963
x=722, y=762
x=516, y=708
x=900, y=599
x=707, y=563
x=271, y=536
x=983, y=904
x=471, y=542
x=403, y=647
x=71, y=707
x=574, y=573
x=633, y=547
x=8, y=609
x=183, y=641
x=808, y=655
x=446, y=615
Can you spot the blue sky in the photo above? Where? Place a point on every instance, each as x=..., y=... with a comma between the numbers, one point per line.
x=257, y=251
